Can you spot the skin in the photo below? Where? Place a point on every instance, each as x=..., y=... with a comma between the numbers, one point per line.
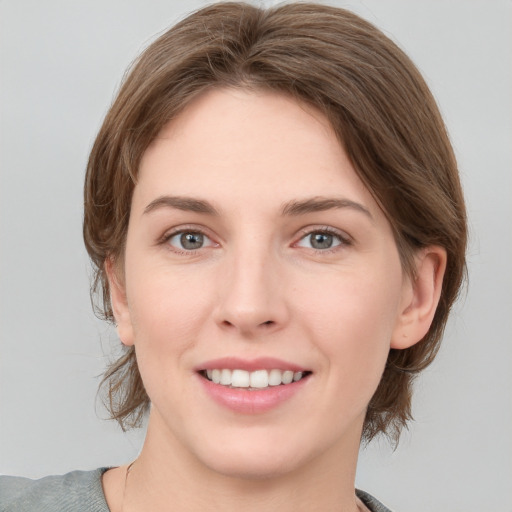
x=258, y=287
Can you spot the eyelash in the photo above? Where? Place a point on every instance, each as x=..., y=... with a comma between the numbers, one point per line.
x=343, y=239
x=184, y=230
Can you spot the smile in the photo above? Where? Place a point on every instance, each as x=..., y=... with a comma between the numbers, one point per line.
x=252, y=380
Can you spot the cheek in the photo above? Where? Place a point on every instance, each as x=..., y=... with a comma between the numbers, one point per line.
x=167, y=316
x=167, y=311
x=352, y=320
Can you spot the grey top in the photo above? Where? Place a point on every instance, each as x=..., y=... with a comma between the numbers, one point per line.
x=79, y=491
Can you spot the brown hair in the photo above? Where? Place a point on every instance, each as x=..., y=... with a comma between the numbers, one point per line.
x=379, y=106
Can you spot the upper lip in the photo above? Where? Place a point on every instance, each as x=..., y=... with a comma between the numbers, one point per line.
x=250, y=365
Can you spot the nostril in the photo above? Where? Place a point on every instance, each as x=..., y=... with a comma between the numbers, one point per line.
x=247, y=324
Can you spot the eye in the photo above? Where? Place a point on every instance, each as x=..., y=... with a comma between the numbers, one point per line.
x=189, y=240
x=321, y=240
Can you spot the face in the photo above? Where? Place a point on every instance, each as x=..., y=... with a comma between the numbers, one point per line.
x=256, y=256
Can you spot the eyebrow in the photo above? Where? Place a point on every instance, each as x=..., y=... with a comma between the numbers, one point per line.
x=321, y=204
x=291, y=208
x=188, y=204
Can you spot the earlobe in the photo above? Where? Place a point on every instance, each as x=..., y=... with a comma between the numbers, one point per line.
x=420, y=297
x=119, y=303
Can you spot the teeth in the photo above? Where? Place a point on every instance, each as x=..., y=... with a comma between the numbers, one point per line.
x=225, y=377
x=258, y=379
x=287, y=377
x=239, y=379
x=275, y=377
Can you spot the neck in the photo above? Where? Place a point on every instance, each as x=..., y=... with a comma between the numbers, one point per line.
x=167, y=477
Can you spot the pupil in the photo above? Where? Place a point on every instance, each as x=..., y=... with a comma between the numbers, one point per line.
x=321, y=240
x=191, y=240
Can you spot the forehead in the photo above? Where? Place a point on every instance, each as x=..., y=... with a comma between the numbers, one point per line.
x=234, y=143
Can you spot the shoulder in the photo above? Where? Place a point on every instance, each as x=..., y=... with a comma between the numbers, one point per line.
x=372, y=503
x=75, y=491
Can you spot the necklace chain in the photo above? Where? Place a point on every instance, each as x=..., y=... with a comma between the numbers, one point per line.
x=129, y=468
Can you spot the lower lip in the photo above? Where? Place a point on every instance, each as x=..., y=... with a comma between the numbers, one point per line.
x=246, y=401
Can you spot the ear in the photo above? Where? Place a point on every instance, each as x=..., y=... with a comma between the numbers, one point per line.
x=119, y=302
x=420, y=297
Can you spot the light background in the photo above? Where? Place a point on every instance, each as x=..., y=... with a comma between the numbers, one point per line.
x=61, y=62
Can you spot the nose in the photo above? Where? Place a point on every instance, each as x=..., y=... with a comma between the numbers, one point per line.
x=252, y=299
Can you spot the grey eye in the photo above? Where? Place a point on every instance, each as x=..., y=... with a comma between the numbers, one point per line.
x=189, y=240
x=320, y=240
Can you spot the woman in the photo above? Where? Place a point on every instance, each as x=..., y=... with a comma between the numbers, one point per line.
x=275, y=215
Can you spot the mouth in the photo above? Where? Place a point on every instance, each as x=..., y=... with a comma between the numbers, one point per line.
x=252, y=380
x=252, y=386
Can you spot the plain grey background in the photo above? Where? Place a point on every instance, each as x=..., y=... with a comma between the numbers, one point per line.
x=61, y=62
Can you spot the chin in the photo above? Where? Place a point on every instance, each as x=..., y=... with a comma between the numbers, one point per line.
x=253, y=467
x=253, y=458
